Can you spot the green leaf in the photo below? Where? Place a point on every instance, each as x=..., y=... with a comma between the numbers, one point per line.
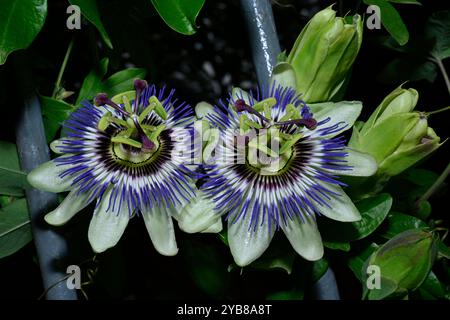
x=206, y=267
x=344, y=246
x=90, y=11
x=319, y=268
x=438, y=28
x=398, y=222
x=433, y=286
x=180, y=15
x=92, y=84
x=443, y=250
x=406, y=2
x=282, y=262
x=391, y=20
x=122, y=81
x=15, y=230
x=20, y=22
x=373, y=211
x=421, y=177
x=54, y=113
x=286, y=295
x=408, y=69
x=12, y=178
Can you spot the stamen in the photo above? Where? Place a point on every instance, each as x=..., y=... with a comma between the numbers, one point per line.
x=139, y=85
x=147, y=144
x=240, y=106
x=102, y=99
x=310, y=123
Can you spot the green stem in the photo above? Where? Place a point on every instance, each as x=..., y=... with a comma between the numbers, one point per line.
x=435, y=185
x=437, y=111
x=443, y=71
x=61, y=70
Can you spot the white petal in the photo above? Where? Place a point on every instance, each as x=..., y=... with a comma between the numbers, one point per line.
x=107, y=226
x=284, y=75
x=362, y=164
x=72, y=204
x=55, y=145
x=202, y=109
x=46, y=177
x=215, y=228
x=304, y=237
x=248, y=245
x=197, y=215
x=160, y=228
x=344, y=111
x=341, y=206
x=238, y=93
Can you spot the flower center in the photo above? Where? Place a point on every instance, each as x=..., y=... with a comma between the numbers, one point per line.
x=134, y=140
x=270, y=144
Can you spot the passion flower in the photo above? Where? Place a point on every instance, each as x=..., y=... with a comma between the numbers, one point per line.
x=129, y=155
x=276, y=165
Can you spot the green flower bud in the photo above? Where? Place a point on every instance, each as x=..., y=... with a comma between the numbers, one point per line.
x=323, y=54
x=404, y=263
x=398, y=101
x=395, y=135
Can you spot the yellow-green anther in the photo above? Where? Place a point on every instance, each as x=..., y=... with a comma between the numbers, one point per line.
x=245, y=123
x=154, y=135
x=213, y=135
x=118, y=98
x=130, y=123
x=267, y=111
x=261, y=145
x=127, y=141
x=126, y=103
x=148, y=128
x=146, y=112
x=104, y=121
x=291, y=113
x=266, y=103
x=288, y=144
x=159, y=109
x=126, y=133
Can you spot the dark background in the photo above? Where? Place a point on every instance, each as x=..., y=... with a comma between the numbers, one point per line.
x=201, y=67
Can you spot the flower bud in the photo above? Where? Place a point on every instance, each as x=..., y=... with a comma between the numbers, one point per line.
x=404, y=262
x=395, y=135
x=323, y=54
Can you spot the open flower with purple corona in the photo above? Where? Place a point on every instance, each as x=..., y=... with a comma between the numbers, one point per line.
x=129, y=154
x=276, y=164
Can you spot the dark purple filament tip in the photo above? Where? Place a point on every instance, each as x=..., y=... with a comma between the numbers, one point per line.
x=240, y=105
x=102, y=99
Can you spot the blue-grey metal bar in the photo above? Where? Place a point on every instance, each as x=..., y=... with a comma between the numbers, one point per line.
x=326, y=288
x=51, y=247
x=263, y=37
x=265, y=48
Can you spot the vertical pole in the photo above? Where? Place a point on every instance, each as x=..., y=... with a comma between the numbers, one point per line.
x=265, y=49
x=51, y=247
x=263, y=37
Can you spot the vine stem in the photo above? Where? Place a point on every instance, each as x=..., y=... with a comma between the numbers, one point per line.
x=437, y=111
x=443, y=72
x=435, y=185
x=62, y=69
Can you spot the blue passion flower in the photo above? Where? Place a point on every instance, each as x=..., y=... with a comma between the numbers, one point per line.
x=272, y=162
x=128, y=154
